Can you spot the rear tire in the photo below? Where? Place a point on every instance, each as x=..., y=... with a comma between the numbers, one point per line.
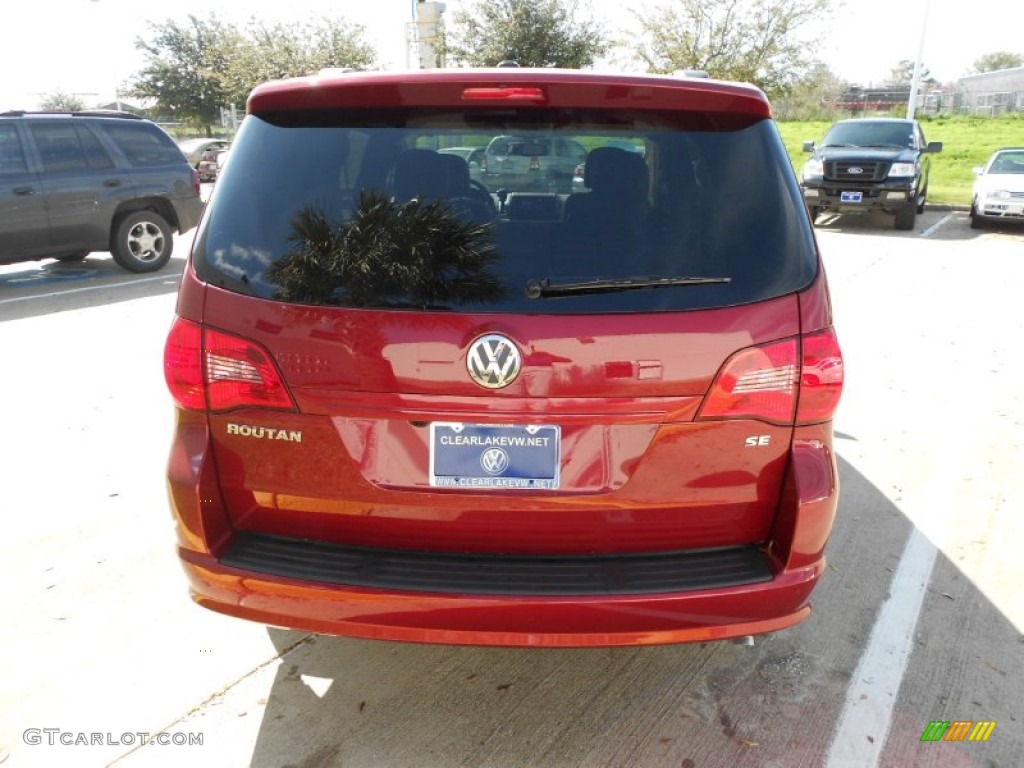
x=812, y=212
x=142, y=242
x=905, y=216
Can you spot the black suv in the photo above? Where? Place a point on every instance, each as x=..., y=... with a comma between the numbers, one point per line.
x=869, y=163
x=71, y=183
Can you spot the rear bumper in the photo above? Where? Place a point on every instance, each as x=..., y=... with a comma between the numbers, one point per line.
x=188, y=210
x=308, y=585
x=504, y=620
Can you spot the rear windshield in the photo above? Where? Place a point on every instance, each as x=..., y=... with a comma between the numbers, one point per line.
x=563, y=211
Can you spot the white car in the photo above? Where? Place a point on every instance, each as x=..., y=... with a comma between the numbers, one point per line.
x=999, y=188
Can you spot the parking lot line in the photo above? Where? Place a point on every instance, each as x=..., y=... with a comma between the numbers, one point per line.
x=867, y=712
x=51, y=294
x=936, y=226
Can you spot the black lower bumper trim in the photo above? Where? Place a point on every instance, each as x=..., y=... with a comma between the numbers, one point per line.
x=489, y=574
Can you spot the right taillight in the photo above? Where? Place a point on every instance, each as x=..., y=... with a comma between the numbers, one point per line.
x=821, y=377
x=208, y=369
x=796, y=380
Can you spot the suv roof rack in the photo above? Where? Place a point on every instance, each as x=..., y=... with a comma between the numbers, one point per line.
x=77, y=113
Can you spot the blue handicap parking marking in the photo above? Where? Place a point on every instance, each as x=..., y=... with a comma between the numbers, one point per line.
x=49, y=275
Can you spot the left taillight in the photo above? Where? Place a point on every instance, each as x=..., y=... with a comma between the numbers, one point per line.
x=196, y=187
x=208, y=369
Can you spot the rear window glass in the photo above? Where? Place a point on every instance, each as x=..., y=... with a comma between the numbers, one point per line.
x=144, y=144
x=368, y=209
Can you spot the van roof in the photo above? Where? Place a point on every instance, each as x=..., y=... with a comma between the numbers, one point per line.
x=514, y=87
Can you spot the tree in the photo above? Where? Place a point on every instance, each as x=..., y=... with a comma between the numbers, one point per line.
x=813, y=98
x=990, y=62
x=195, y=69
x=185, y=68
x=58, y=101
x=903, y=74
x=414, y=254
x=533, y=33
x=756, y=41
x=293, y=50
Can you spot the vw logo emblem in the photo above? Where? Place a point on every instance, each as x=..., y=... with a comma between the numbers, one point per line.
x=493, y=361
x=855, y=170
x=494, y=461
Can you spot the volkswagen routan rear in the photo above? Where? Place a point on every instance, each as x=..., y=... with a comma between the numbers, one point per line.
x=415, y=404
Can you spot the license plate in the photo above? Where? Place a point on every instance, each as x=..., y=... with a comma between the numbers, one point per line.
x=851, y=197
x=505, y=456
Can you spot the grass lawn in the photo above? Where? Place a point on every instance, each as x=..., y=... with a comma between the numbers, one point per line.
x=967, y=142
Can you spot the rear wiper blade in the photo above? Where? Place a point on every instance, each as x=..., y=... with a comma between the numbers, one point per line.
x=539, y=289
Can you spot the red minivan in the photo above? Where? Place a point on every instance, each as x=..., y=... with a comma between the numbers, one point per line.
x=415, y=405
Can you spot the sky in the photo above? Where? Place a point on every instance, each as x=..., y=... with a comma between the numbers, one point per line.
x=87, y=47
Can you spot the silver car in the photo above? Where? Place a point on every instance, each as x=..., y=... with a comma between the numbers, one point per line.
x=536, y=164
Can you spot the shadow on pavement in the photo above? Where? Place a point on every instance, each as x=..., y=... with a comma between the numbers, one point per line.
x=41, y=288
x=342, y=702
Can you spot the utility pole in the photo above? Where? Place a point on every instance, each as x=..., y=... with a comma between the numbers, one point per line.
x=912, y=101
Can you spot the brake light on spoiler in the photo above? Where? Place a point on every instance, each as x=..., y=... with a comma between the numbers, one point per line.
x=503, y=93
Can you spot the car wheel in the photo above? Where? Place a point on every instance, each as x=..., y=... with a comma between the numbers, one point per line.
x=69, y=257
x=905, y=216
x=813, y=211
x=921, y=199
x=142, y=242
x=976, y=221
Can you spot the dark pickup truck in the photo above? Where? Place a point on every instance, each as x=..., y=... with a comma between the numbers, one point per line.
x=869, y=163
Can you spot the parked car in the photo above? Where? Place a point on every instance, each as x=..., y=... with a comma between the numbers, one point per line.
x=532, y=163
x=870, y=164
x=471, y=155
x=196, y=150
x=78, y=182
x=998, y=193
x=405, y=412
x=212, y=162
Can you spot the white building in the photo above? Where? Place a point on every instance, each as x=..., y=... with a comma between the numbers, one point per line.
x=993, y=93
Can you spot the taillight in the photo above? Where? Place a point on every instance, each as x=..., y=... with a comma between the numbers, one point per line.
x=183, y=368
x=195, y=181
x=796, y=380
x=756, y=383
x=211, y=369
x=821, y=377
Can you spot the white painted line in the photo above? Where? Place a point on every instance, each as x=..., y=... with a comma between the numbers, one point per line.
x=935, y=227
x=867, y=713
x=166, y=278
